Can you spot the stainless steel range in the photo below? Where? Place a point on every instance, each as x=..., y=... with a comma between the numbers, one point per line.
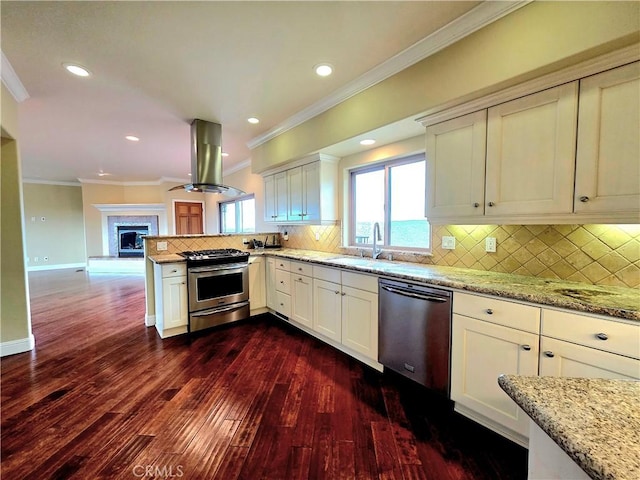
x=218, y=286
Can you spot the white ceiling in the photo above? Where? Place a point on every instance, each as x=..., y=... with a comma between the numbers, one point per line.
x=158, y=65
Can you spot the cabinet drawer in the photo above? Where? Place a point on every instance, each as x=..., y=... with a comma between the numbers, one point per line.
x=301, y=268
x=600, y=333
x=359, y=281
x=326, y=274
x=174, y=269
x=283, y=281
x=283, y=304
x=283, y=264
x=509, y=314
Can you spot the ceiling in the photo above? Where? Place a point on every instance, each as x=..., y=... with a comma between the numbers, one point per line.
x=157, y=65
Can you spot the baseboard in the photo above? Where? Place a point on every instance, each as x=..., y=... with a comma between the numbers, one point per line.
x=21, y=345
x=59, y=266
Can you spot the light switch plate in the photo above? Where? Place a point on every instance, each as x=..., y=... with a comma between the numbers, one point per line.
x=449, y=243
x=160, y=246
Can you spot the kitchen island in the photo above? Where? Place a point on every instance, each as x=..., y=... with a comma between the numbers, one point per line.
x=596, y=422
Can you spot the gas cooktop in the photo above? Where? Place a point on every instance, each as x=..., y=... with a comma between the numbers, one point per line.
x=222, y=254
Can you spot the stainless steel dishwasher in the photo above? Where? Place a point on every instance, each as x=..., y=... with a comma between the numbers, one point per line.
x=414, y=337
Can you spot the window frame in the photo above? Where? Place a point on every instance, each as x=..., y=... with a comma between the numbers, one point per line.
x=386, y=166
x=237, y=211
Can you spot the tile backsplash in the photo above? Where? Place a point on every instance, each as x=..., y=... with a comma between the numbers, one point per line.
x=595, y=254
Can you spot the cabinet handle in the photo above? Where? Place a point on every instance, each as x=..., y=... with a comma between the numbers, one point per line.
x=489, y=311
x=602, y=336
x=184, y=283
x=282, y=282
x=549, y=354
x=299, y=279
x=336, y=292
x=299, y=269
x=174, y=271
x=282, y=304
x=476, y=205
x=584, y=199
x=491, y=204
x=343, y=294
x=526, y=347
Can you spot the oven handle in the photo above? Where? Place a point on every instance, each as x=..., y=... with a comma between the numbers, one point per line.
x=213, y=268
x=211, y=311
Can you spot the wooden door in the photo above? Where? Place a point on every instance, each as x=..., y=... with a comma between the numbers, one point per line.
x=607, y=165
x=188, y=218
x=531, y=144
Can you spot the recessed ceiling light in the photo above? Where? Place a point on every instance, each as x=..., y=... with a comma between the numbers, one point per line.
x=103, y=174
x=225, y=154
x=78, y=70
x=323, y=69
x=253, y=120
x=367, y=141
x=132, y=138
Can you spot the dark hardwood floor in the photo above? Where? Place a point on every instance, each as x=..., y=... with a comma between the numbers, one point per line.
x=102, y=396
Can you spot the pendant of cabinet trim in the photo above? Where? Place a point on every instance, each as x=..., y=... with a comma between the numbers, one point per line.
x=517, y=162
x=306, y=193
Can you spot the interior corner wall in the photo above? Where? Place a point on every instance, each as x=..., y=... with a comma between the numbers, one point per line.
x=536, y=39
x=15, y=314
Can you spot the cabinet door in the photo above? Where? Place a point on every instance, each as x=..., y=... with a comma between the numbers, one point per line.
x=563, y=359
x=257, y=291
x=327, y=309
x=531, y=153
x=482, y=351
x=608, y=157
x=281, y=196
x=311, y=188
x=295, y=190
x=455, y=166
x=302, y=300
x=270, y=212
x=360, y=321
x=175, y=302
x=270, y=287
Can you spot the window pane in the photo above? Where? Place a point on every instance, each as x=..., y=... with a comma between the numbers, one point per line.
x=409, y=227
x=228, y=217
x=369, y=204
x=248, y=215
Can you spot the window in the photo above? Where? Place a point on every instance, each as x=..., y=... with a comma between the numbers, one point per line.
x=238, y=216
x=391, y=194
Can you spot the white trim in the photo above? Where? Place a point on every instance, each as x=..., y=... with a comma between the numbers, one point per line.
x=125, y=207
x=59, y=266
x=17, y=346
x=315, y=157
x=593, y=66
x=173, y=211
x=160, y=181
x=12, y=81
x=149, y=320
x=51, y=182
x=236, y=168
x=475, y=19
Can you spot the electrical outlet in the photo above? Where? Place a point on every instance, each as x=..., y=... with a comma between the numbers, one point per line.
x=490, y=245
x=161, y=246
x=449, y=243
x=317, y=236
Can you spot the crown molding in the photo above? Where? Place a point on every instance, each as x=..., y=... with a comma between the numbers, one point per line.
x=160, y=181
x=12, y=81
x=51, y=182
x=475, y=19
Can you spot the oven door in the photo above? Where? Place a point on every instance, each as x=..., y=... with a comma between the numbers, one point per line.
x=216, y=286
x=218, y=316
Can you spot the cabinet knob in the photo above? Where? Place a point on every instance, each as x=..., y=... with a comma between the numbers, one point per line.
x=584, y=199
x=489, y=311
x=476, y=205
x=299, y=269
x=526, y=347
x=343, y=294
x=336, y=292
x=282, y=282
x=602, y=336
x=549, y=354
x=174, y=271
x=282, y=304
x=491, y=204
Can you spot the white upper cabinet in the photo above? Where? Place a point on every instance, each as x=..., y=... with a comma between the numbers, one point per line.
x=531, y=153
x=455, y=166
x=608, y=157
x=308, y=192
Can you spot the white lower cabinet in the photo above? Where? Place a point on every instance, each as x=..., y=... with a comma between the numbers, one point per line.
x=171, y=299
x=257, y=290
x=481, y=351
x=270, y=283
x=302, y=294
x=327, y=314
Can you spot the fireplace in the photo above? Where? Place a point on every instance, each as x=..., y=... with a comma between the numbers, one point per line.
x=130, y=243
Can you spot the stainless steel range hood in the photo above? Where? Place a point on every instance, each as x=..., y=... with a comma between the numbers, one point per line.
x=206, y=160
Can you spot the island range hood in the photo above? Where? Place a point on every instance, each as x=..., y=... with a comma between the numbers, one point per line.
x=206, y=160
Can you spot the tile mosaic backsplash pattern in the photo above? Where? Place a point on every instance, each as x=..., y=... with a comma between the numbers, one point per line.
x=198, y=242
x=594, y=254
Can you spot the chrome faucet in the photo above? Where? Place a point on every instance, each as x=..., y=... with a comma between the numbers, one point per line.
x=376, y=238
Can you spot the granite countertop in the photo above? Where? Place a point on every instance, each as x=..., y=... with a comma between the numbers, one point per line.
x=614, y=301
x=595, y=421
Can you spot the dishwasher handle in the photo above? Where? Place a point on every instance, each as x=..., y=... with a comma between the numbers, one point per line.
x=413, y=294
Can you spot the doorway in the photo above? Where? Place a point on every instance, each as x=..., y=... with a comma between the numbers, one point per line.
x=189, y=217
